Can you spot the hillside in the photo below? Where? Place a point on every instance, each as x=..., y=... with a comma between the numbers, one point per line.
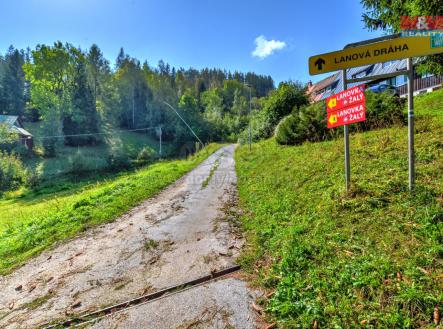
x=33, y=221
x=94, y=157
x=372, y=258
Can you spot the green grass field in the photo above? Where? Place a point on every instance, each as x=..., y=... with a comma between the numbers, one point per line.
x=94, y=157
x=371, y=259
x=32, y=221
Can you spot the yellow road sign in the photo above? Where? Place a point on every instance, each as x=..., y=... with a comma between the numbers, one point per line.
x=374, y=53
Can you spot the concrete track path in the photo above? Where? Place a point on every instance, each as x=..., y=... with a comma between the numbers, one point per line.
x=179, y=235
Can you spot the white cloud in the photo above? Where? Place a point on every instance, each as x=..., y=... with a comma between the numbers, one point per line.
x=264, y=48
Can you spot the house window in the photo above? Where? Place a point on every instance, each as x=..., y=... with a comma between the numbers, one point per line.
x=401, y=80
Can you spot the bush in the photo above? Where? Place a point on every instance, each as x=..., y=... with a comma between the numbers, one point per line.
x=382, y=110
x=287, y=131
x=49, y=147
x=288, y=97
x=78, y=163
x=12, y=172
x=22, y=150
x=33, y=179
x=309, y=123
x=118, y=160
x=260, y=128
x=146, y=155
x=282, y=101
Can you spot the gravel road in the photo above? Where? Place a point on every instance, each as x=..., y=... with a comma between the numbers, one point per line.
x=181, y=234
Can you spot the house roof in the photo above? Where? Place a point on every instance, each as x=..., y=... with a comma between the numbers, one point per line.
x=10, y=121
x=21, y=131
x=336, y=82
x=377, y=69
x=324, y=83
x=315, y=89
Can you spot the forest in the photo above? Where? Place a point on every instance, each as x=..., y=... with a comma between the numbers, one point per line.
x=75, y=92
x=76, y=103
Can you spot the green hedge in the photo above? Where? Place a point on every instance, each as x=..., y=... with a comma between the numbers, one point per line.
x=309, y=123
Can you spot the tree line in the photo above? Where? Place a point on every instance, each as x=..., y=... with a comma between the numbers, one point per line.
x=76, y=92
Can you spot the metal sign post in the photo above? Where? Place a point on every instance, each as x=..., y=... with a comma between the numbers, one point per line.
x=372, y=51
x=159, y=133
x=343, y=109
x=346, y=137
x=411, y=151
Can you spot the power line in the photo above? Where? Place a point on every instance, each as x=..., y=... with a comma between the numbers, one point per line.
x=184, y=122
x=90, y=134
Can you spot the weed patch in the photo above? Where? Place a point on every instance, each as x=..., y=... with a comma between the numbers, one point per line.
x=211, y=173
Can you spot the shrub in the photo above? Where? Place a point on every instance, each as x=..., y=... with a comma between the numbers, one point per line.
x=288, y=97
x=22, y=150
x=283, y=100
x=309, y=123
x=49, y=147
x=33, y=179
x=382, y=110
x=146, y=155
x=287, y=131
x=260, y=128
x=12, y=172
x=118, y=160
x=78, y=163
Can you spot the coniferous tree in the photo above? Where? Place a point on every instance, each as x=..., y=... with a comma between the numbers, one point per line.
x=120, y=58
x=83, y=117
x=97, y=69
x=13, y=84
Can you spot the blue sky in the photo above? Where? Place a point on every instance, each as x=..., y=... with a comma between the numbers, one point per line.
x=197, y=33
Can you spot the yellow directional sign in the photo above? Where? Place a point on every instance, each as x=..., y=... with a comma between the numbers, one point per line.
x=374, y=53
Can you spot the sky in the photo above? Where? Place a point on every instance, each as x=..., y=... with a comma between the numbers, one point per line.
x=273, y=38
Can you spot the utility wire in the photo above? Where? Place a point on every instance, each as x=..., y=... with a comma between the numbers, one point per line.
x=184, y=122
x=91, y=134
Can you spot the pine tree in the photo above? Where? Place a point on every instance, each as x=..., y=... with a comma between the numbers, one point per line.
x=97, y=68
x=13, y=83
x=83, y=118
x=120, y=58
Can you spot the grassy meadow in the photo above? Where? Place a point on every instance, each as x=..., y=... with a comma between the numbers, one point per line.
x=31, y=221
x=94, y=158
x=371, y=259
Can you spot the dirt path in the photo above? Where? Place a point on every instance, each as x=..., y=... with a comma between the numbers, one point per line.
x=179, y=235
